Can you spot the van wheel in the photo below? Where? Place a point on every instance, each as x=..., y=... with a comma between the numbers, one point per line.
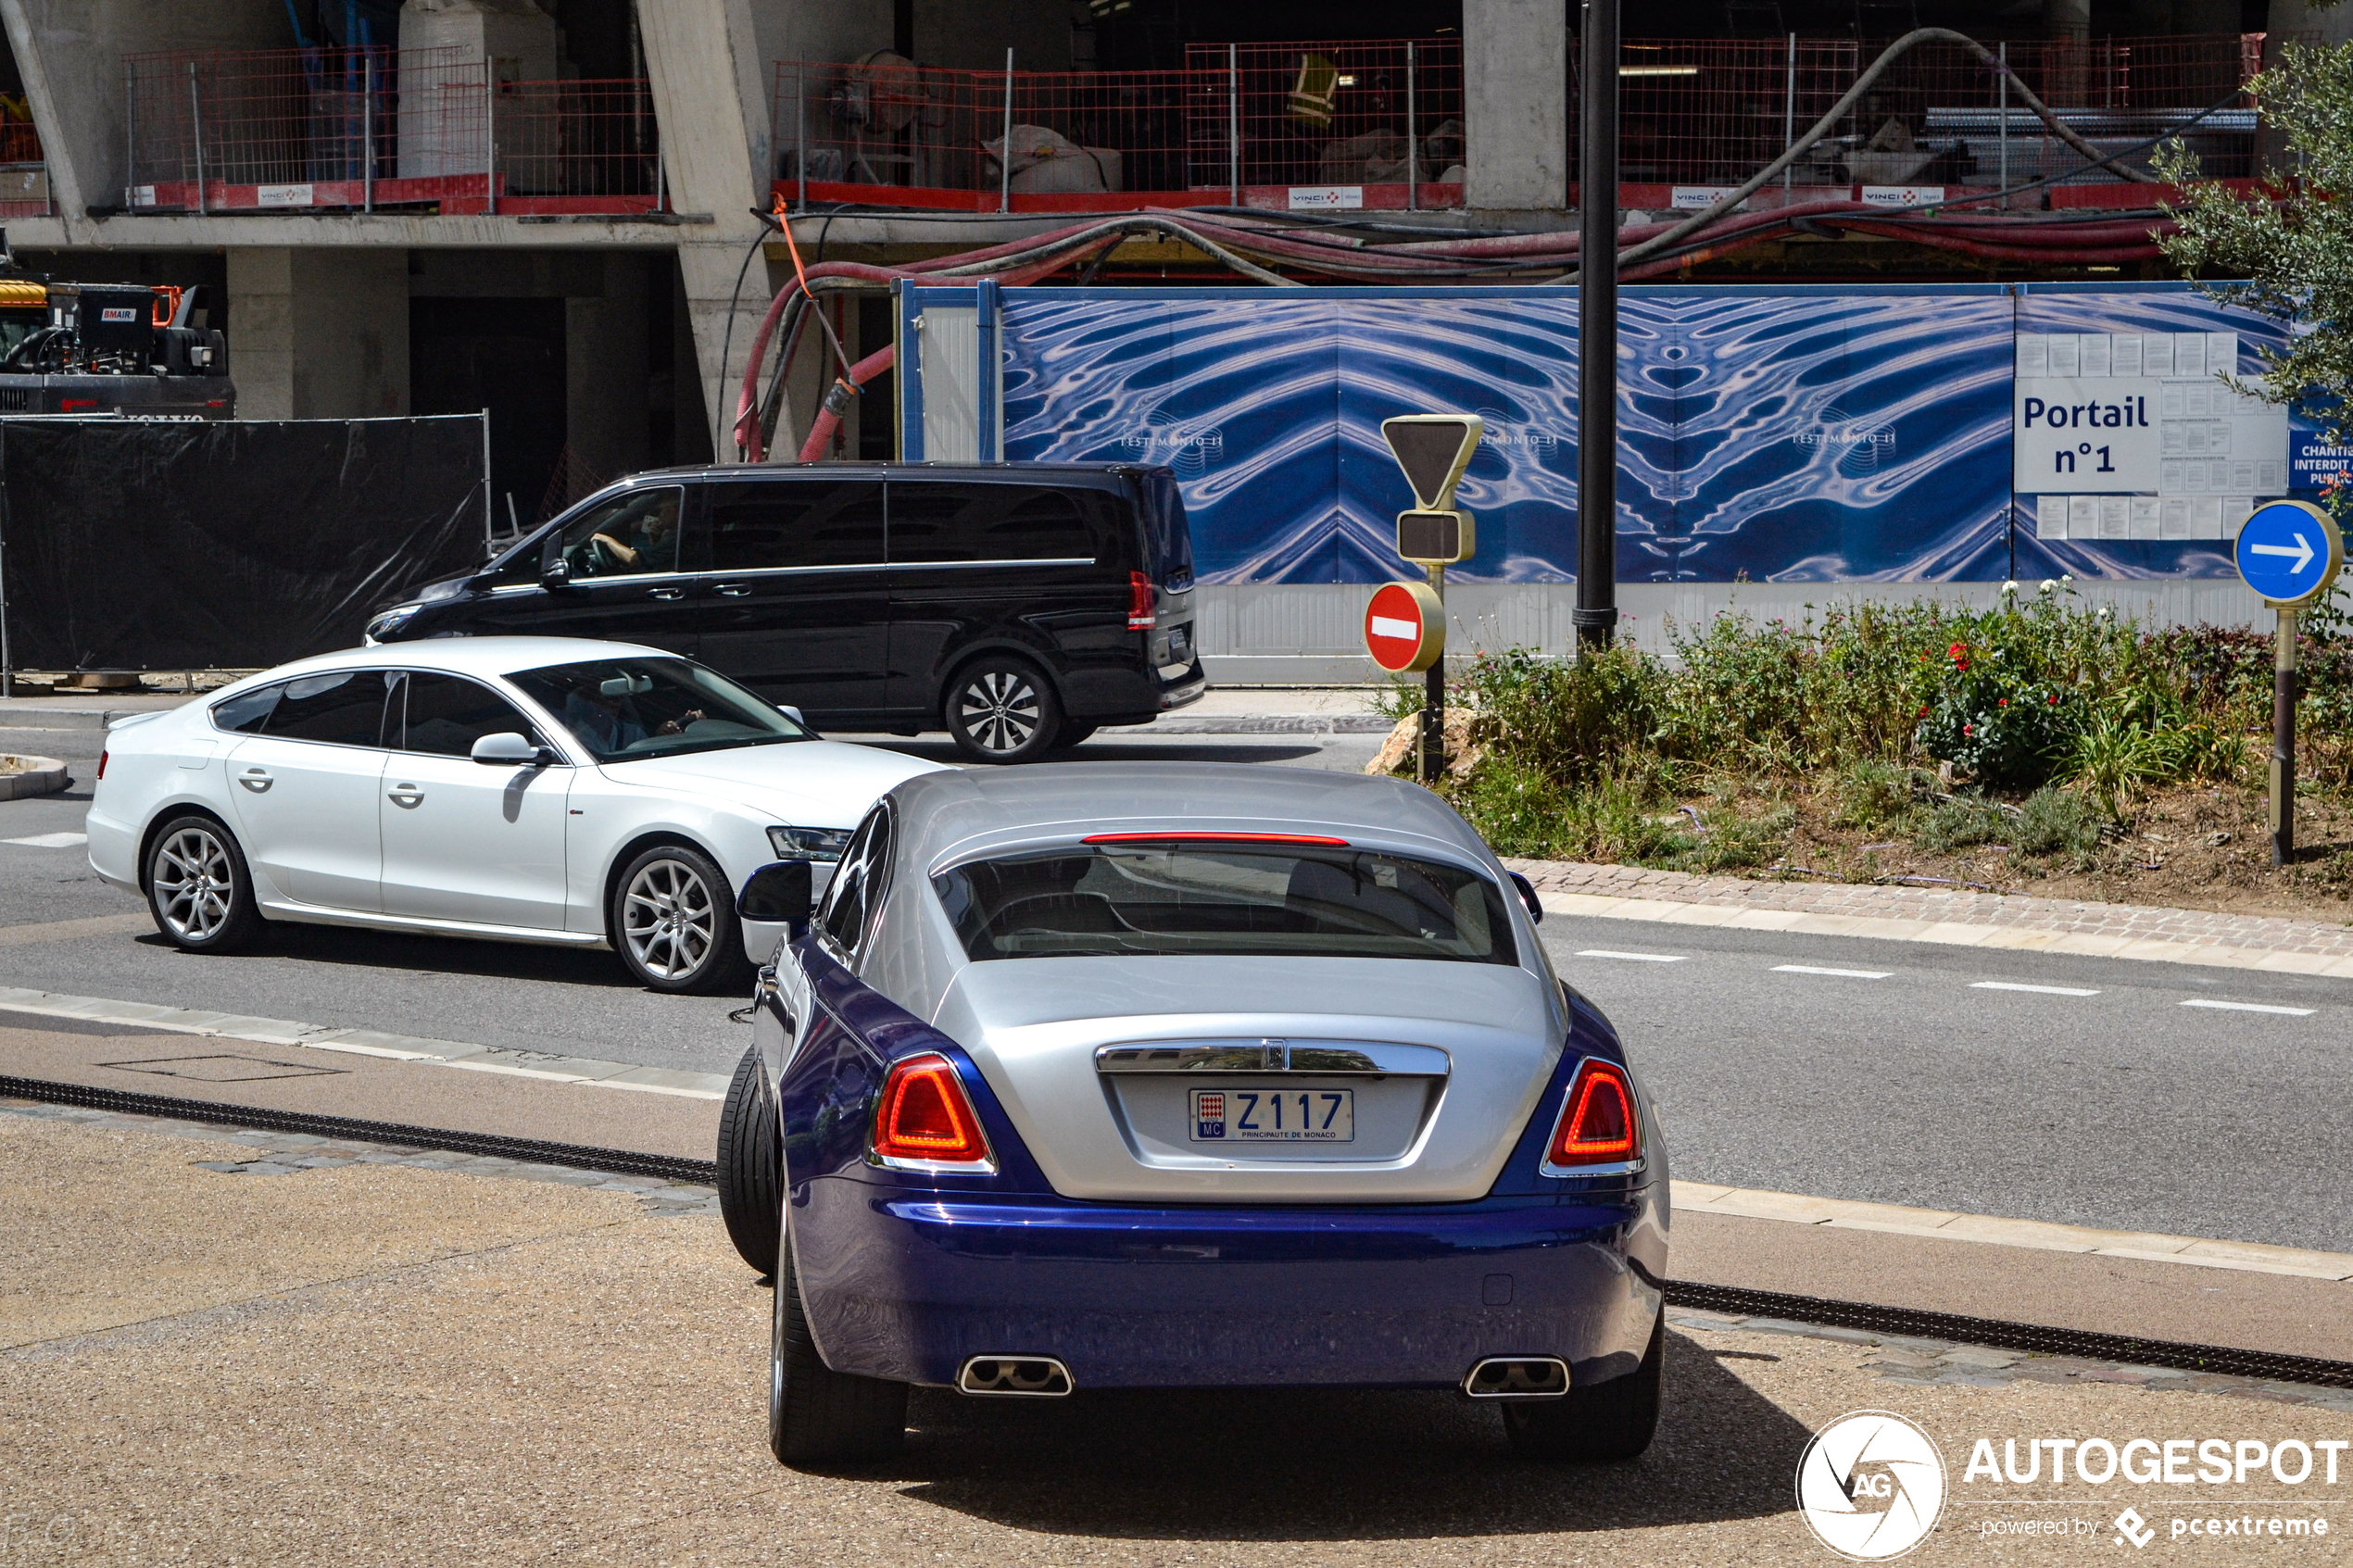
x=1001, y=708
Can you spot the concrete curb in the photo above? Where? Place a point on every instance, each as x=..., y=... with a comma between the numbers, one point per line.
x=1949, y=933
x=546, y=1065
x=2253, y=1257
x=1263, y=724
x=46, y=776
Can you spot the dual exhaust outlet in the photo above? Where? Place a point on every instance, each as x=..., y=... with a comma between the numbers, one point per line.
x=1044, y=1377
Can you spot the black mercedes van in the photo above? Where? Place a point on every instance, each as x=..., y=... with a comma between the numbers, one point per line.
x=1016, y=606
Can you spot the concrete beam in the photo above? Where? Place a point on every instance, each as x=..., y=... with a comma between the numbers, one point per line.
x=1515, y=101
x=324, y=232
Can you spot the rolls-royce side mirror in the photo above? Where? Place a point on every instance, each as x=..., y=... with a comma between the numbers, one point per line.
x=1527, y=896
x=780, y=893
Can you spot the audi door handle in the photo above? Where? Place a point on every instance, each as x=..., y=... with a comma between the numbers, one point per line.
x=256, y=779
x=407, y=795
x=666, y=594
x=732, y=590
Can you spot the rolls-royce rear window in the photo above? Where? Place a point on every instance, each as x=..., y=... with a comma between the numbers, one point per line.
x=1176, y=899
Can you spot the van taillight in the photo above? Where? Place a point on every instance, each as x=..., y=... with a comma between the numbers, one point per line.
x=1141, y=612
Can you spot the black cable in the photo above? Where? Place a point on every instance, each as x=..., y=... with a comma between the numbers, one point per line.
x=728, y=339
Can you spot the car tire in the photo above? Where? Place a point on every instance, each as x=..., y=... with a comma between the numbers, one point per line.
x=1073, y=731
x=750, y=1174
x=198, y=888
x=674, y=923
x=817, y=1416
x=1001, y=708
x=1601, y=1425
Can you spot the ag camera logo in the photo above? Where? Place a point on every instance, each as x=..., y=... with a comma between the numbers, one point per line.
x=1871, y=1486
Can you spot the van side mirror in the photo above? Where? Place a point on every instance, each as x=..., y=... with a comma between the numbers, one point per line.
x=555, y=571
x=780, y=893
x=1527, y=896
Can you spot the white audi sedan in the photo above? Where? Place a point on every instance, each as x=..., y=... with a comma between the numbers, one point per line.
x=531, y=789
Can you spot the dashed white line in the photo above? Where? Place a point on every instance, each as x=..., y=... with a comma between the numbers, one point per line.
x=1635, y=958
x=2248, y=1007
x=2039, y=990
x=51, y=841
x=1835, y=973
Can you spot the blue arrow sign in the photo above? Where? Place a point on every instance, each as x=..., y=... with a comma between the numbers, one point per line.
x=2287, y=551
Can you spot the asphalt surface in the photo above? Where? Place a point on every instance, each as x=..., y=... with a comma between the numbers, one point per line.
x=1937, y=1086
x=2123, y=1109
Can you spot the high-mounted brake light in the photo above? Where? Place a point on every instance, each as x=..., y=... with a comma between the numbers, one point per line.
x=1597, y=1124
x=1143, y=614
x=924, y=1114
x=1180, y=836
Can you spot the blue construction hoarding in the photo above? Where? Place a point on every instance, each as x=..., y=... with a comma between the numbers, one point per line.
x=1799, y=433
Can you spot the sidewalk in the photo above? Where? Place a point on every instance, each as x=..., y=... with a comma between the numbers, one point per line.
x=1953, y=916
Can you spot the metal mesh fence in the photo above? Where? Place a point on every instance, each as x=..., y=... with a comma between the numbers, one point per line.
x=1381, y=123
x=1256, y=117
x=345, y=128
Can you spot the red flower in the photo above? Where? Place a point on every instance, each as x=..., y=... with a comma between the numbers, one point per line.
x=2054, y=699
x=1965, y=729
x=2004, y=702
x=1922, y=714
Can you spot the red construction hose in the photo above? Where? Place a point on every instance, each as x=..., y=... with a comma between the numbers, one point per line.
x=838, y=397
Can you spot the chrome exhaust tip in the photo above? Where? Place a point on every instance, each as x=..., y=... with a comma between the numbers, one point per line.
x=1024, y=1378
x=1517, y=1377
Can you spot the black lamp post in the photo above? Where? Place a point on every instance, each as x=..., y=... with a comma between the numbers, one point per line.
x=1596, y=613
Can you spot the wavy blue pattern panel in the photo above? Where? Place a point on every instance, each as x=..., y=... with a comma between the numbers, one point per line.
x=1788, y=435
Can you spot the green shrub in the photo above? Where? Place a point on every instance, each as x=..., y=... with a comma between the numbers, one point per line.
x=2057, y=822
x=1871, y=794
x=1963, y=821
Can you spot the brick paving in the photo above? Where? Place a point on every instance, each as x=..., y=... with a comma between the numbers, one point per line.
x=2190, y=930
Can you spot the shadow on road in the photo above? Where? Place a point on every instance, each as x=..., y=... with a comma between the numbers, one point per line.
x=1339, y=1466
x=1120, y=748
x=426, y=954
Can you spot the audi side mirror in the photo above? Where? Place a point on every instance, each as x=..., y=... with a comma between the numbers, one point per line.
x=507, y=749
x=789, y=711
x=780, y=893
x=1527, y=896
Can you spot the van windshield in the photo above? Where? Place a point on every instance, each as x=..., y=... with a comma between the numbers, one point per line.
x=1165, y=532
x=1185, y=898
x=623, y=709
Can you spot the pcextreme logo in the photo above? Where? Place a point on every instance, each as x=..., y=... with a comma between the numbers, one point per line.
x=1871, y=1486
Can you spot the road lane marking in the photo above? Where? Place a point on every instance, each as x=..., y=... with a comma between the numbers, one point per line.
x=1634, y=958
x=2248, y=1007
x=1839, y=973
x=2039, y=990
x=51, y=841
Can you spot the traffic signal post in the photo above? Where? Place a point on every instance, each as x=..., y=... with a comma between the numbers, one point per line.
x=1432, y=450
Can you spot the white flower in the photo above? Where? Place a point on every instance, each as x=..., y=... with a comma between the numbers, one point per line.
x=2009, y=587
x=2104, y=612
x=2049, y=587
x=2065, y=580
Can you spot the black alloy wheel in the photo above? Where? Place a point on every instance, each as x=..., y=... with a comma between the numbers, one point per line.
x=198, y=888
x=750, y=1168
x=817, y=1416
x=1599, y=1425
x=1001, y=708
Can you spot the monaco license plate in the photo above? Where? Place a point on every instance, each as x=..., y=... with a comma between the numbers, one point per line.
x=1274, y=1116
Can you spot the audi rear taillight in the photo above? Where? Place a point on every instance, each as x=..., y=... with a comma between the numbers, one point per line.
x=1597, y=1124
x=1141, y=614
x=101, y=763
x=926, y=1115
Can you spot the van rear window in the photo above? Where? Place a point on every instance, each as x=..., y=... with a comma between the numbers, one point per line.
x=1165, y=531
x=1179, y=898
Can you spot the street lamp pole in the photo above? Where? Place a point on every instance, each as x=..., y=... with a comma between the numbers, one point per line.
x=1596, y=613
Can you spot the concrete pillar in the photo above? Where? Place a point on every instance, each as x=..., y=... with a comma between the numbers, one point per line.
x=710, y=88
x=70, y=54
x=1516, y=100
x=604, y=370
x=318, y=334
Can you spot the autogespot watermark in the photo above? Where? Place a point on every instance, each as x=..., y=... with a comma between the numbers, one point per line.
x=1873, y=1485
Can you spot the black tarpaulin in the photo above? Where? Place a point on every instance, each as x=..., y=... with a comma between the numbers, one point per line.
x=137, y=545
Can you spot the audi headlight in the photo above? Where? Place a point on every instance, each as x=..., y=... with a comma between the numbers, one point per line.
x=808, y=844
x=390, y=621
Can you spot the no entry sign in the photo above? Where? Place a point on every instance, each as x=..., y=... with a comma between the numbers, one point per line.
x=1404, y=627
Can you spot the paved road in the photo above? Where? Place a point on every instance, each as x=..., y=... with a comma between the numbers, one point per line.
x=2122, y=1108
x=530, y=998
x=2085, y=1091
